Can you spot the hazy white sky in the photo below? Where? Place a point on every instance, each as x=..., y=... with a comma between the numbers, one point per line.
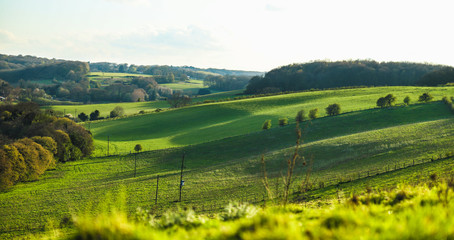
x=233, y=34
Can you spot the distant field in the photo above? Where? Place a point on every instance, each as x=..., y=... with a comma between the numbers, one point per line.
x=204, y=123
x=105, y=108
x=190, y=87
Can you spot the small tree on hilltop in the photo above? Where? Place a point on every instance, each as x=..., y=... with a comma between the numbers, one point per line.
x=94, y=115
x=425, y=97
x=390, y=99
x=407, y=100
x=333, y=109
x=266, y=125
x=283, y=122
x=83, y=117
x=117, y=112
x=313, y=114
x=300, y=116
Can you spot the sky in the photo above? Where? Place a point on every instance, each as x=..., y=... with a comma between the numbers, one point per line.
x=234, y=34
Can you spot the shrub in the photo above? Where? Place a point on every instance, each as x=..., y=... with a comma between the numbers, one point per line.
x=266, y=125
x=333, y=109
x=94, y=115
x=236, y=210
x=300, y=116
x=83, y=117
x=47, y=142
x=138, y=148
x=283, y=122
x=407, y=100
x=117, y=112
x=446, y=100
x=204, y=91
x=386, y=101
x=425, y=97
x=313, y=114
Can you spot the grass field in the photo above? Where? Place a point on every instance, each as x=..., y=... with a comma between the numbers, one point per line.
x=105, y=108
x=223, y=144
x=190, y=87
x=208, y=122
x=228, y=169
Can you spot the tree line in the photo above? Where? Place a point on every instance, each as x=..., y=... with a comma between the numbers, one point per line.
x=321, y=75
x=33, y=141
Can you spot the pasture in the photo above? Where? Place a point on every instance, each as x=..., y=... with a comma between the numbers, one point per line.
x=215, y=121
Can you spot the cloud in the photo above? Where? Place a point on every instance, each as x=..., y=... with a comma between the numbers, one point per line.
x=272, y=8
x=7, y=37
x=188, y=39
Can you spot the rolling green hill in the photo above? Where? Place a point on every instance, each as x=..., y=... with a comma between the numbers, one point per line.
x=223, y=144
x=204, y=123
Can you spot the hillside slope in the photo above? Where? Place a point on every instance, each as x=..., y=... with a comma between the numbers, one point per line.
x=208, y=122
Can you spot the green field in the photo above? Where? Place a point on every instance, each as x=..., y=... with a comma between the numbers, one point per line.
x=189, y=87
x=223, y=143
x=208, y=122
x=105, y=108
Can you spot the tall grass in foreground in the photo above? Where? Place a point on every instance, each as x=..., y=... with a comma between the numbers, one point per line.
x=404, y=212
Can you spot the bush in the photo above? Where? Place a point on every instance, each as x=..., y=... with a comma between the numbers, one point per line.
x=313, y=114
x=266, y=125
x=407, y=100
x=283, y=122
x=117, y=112
x=300, y=116
x=333, y=109
x=83, y=117
x=446, y=100
x=204, y=91
x=425, y=97
x=94, y=115
x=236, y=210
x=386, y=101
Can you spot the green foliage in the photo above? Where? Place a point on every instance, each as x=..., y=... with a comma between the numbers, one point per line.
x=94, y=115
x=118, y=111
x=235, y=210
x=446, y=100
x=386, y=101
x=82, y=116
x=300, y=116
x=407, y=100
x=283, y=121
x=441, y=76
x=425, y=97
x=333, y=109
x=322, y=75
x=266, y=125
x=138, y=148
x=313, y=113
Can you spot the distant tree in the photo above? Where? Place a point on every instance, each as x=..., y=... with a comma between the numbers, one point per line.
x=123, y=68
x=313, y=113
x=407, y=100
x=283, y=122
x=381, y=102
x=117, y=112
x=386, y=101
x=94, y=115
x=333, y=109
x=138, y=148
x=300, y=116
x=178, y=100
x=425, y=97
x=204, y=91
x=83, y=117
x=266, y=125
